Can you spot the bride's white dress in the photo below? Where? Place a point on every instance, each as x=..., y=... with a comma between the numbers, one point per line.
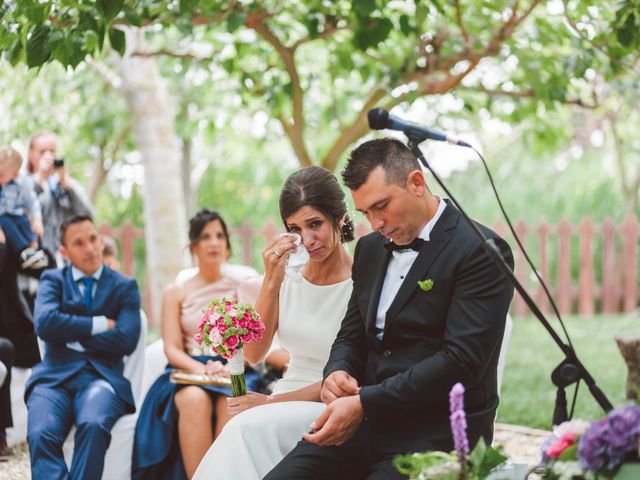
x=253, y=442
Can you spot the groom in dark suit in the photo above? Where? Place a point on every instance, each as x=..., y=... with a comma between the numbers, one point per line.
x=427, y=311
x=89, y=318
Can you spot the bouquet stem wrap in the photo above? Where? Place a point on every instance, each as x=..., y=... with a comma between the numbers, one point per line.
x=236, y=369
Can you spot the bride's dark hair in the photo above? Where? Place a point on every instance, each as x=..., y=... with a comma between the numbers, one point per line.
x=318, y=188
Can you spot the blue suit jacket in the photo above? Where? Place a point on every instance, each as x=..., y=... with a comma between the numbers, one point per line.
x=61, y=317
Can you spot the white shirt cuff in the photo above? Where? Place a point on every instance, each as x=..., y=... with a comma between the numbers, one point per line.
x=75, y=346
x=99, y=325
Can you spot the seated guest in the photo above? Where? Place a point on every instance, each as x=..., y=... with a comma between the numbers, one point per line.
x=428, y=310
x=20, y=215
x=178, y=423
x=6, y=421
x=110, y=252
x=306, y=313
x=88, y=316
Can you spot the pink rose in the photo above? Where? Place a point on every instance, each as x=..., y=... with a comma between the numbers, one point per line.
x=257, y=336
x=198, y=338
x=222, y=329
x=215, y=337
x=243, y=323
x=232, y=342
x=220, y=320
x=247, y=337
x=556, y=448
x=253, y=325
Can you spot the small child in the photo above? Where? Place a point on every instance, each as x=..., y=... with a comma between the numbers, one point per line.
x=20, y=215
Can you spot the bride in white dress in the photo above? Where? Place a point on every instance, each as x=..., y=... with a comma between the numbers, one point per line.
x=306, y=315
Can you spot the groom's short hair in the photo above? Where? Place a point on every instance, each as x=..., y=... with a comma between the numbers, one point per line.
x=389, y=153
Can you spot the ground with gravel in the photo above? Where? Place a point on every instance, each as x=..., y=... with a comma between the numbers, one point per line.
x=521, y=444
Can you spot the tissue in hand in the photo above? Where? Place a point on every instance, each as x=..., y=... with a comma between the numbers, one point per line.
x=296, y=260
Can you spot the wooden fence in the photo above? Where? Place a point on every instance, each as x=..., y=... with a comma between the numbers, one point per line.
x=589, y=268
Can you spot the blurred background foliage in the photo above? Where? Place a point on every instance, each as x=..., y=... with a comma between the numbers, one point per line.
x=546, y=90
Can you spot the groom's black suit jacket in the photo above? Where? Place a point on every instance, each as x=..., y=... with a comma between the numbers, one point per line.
x=432, y=339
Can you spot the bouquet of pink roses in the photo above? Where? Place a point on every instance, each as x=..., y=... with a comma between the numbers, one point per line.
x=225, y=328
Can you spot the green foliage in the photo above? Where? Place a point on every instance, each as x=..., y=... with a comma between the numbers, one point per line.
x=436, y=465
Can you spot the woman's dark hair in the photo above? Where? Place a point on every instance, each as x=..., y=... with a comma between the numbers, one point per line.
x=316, y=187
x=200, y=220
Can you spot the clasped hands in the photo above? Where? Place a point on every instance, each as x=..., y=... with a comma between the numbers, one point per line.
x=343, y=414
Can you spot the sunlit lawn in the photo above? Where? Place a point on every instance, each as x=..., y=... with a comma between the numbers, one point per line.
x=528, y=396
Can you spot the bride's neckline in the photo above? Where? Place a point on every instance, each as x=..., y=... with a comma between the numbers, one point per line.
x=348, y=279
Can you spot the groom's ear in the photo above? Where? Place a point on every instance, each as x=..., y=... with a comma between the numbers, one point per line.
x=416, y=183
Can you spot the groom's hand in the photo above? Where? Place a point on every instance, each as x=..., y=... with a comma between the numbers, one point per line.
x=337, y=385
x=337, y=423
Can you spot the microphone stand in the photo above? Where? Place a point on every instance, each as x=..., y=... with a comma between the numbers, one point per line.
x=571, y=369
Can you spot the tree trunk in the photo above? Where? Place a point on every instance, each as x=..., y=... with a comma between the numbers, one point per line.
x=630, y=349
x=152, y=120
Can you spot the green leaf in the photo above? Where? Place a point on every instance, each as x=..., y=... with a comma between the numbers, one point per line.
x=37, y=50
x=477, y=454
x=15, y=53
x=132, y=16
x=570, y=453
x=38, y=13
x=117, y=40
x=78, y=53
x=372, y=32
x=405, y=25
x=312, y=25
x=492, y=458
x=91, y=40
x=235, y=21
x=187, y=6
x=110, y=8
x=438, y=5
x=363, y=8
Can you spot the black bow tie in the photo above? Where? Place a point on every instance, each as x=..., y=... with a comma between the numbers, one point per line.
x=416, y=245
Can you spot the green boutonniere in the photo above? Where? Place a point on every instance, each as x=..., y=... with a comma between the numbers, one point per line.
x=426, y=285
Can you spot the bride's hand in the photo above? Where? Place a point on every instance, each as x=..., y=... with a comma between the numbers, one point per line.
x=236, y=405
x=216, y=369
x=274, y=256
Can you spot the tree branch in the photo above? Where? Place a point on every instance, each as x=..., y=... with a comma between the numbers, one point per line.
x=465, y=33
x=297, y=142
x=169, y=53
x=294, y=129
x=350, y=134
x=330, y=30
x=112, y=79
x=529, y=94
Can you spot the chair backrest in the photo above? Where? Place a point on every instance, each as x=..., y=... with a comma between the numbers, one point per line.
x=3, y=373
x=508, y=326
x=134, y=363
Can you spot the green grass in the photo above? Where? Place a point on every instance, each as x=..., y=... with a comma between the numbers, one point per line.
x=528, y=396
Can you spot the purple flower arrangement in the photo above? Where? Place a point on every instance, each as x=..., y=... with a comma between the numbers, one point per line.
x=600, y=447
x=609, y=441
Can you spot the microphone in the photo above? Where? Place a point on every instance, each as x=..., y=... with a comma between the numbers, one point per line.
x=380, y=119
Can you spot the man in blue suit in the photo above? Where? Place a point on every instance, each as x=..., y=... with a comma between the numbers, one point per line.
x=89, y=318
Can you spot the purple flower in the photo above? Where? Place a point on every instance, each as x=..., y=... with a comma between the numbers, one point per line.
x=607, y=441
x=459, y=422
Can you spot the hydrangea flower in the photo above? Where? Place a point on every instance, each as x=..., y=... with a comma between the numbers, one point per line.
x=608, y=441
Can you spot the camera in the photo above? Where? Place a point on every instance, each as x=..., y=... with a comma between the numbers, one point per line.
x=58, y=163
